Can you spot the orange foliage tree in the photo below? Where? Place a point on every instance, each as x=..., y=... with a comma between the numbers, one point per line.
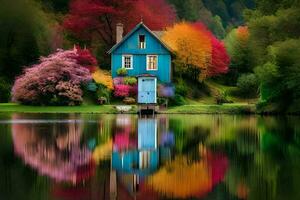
x=196, y=47
x=242, y=33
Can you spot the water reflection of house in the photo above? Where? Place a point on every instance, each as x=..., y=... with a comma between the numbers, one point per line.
x=133, y=165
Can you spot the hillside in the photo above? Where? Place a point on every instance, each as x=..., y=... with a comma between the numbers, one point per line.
x=218, y=15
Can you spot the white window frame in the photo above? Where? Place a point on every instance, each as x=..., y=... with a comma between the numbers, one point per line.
x=147, y=62
x=131, y=61
x=140, y=43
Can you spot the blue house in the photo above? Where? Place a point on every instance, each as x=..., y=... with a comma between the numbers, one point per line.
x=145, y=56
x=145, y=158
x=134, y=165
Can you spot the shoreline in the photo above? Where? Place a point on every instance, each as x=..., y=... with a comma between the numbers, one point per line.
x=192, y=109
x=111, y=109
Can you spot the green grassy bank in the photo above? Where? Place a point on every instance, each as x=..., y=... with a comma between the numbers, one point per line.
x=212, y=109
x=110, y=109
x=58, y=109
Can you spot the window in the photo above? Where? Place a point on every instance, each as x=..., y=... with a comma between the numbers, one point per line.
x=152, y=62
x=144, y=159
x=127, y=62
x=142, y=42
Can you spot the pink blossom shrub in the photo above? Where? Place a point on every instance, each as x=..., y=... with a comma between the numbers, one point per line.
x=122, y=90
x=56, y=80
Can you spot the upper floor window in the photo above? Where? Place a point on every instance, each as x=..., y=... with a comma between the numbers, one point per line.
x=142, y=42
x=152, y=61
x=127, y=62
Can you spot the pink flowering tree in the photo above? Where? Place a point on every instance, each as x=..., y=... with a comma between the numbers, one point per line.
x=57, y=80
x=82, y=57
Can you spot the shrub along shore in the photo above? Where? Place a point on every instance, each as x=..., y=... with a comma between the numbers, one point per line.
x=111, y=109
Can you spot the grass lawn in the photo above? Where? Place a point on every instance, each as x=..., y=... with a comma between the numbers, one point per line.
x=105, y=109
x=241, y=108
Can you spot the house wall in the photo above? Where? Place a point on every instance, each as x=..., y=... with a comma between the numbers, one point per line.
x=153, y=46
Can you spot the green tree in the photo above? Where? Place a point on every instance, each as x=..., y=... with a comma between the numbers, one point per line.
x=217, y=27
x=237, y=45
x=25, y=34
x=274, y=42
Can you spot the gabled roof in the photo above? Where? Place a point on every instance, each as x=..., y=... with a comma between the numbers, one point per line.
x=153, y=33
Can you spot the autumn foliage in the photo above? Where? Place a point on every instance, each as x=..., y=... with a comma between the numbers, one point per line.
x=103, y=77
x=92, y=18
x=219, y=58
x=196, y=46
x=182, y=178
x=56, y=80
x=243, y=34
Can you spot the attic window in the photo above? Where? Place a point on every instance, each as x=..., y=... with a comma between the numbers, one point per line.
x=142, y=41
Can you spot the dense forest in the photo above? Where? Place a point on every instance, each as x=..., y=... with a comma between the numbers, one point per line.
x=261, y=38
x=219, y=15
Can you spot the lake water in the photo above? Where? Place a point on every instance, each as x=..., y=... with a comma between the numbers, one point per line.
x=91, y=157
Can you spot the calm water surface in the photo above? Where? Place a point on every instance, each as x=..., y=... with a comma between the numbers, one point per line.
x=93, y=157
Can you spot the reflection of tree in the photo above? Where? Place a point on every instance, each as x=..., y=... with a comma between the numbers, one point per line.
x=183, y=178
x=264, y=159
x=53, y=149
x=125, y=133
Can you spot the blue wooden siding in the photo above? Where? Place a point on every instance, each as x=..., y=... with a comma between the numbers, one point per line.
x=153, y=47
x=147, y=90
x=128, y=162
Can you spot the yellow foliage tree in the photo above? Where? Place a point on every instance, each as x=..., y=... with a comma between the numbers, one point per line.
x=103, y=77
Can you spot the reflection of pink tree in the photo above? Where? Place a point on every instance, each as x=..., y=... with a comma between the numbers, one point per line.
x=53, y=149
x=122, y=138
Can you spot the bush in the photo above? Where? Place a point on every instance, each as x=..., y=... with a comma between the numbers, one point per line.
x=222, y=98
x=247, y=85
x=166, y=90
x=130, y=81
x=162, y=101
x=103, y=94
x=181, y=88
x=4, y=90
x=133, y=90
x=91, y=86
x=103, y=77
x=56, y=80
x=177, y=100
x=102, y=100
x=122, y=72
x=118, y=81
x=122, y=90
x=129, y=100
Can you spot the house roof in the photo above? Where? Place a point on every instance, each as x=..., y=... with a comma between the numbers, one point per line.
x=156, y=34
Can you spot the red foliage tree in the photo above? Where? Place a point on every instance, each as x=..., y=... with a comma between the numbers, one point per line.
x=85, y=58
x=91, y=18
x=220, y=59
